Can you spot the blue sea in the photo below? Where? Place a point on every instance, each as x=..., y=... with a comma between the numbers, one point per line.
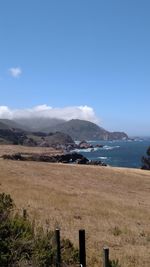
x=118, y=153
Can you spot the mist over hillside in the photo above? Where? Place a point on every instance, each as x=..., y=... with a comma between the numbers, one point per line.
x=38, y=124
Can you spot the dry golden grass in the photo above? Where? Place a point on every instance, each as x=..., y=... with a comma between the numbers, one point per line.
x=11, y=149
x=112, y=204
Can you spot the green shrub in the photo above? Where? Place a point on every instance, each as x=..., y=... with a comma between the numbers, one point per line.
x=114, y=263
x=43, y=249
x=20, y=246
x=146, y=161
x=6, y=205
x=116, y=231
x=70, y=254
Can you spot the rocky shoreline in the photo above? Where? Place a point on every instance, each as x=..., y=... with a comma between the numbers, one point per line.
x=69, y=158
x=82, y=145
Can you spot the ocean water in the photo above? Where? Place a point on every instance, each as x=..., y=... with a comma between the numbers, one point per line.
x=118, y=153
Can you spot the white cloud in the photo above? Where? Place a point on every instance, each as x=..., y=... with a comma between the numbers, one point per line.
x=45, y=111
x=5, y=112
x=15, y=72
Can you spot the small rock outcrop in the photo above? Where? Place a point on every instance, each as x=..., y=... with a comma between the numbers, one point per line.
x=84, y=145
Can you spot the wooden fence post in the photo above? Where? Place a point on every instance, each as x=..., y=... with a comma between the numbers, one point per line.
x=106, y=257
x=82, y=249
x=24, y=214
x=58, y=252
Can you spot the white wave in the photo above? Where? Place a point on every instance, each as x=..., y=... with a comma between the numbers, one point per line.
x=103, y=157
x=77, y=142
x=92, y=141
x=82, y=150
x=109, y=147
x=86, y=150
x=95, y=149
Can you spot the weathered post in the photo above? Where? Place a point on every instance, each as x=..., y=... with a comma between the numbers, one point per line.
x=106, y=257
x=24, y=214
x=82, y=249
x=58, y=252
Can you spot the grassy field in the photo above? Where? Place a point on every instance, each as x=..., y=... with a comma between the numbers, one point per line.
x=111, y=204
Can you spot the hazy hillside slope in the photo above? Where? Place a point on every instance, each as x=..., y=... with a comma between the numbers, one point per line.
x=81, y=129
x=38, y=124
x=11, y=133
x=10, y=124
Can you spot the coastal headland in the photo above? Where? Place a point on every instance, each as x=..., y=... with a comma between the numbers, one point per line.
x=111, y=204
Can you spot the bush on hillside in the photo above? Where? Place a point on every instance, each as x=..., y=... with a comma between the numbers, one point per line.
x=21, y=245
x=146, y=161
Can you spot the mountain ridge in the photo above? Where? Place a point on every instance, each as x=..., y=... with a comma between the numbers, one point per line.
x=82, y=129
x=75, y=128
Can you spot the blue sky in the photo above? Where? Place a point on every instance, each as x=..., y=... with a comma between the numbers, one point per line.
x=74, y=53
